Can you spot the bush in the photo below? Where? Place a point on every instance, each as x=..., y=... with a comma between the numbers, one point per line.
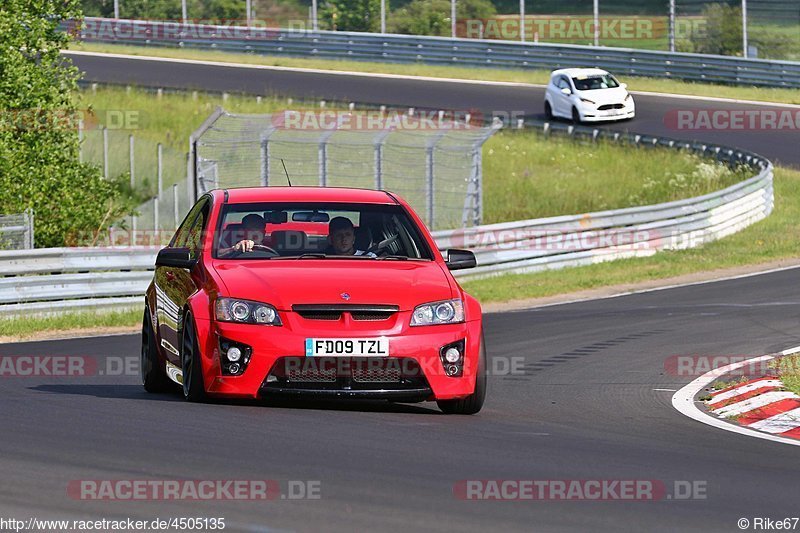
x=432, y=17
x=723, y=34
x=39, y=165
x=351, y=15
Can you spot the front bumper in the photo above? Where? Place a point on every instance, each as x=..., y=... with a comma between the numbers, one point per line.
x=592, y=114
x=271, y=346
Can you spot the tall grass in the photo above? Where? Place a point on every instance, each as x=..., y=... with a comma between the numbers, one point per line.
x=526, y=176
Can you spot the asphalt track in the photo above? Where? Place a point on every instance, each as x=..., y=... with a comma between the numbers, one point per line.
x=652, y=112
x=586, y=408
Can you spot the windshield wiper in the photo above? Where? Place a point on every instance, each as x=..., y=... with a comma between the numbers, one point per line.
x=394, y=257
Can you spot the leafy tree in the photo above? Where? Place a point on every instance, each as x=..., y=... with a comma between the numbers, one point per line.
x=39, y=165
x=723, y=33
x=351, y=15
x=432, y=17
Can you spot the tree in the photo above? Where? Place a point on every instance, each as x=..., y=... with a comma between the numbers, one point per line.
x=723, y=33
x=352, y=15
x=39, y=166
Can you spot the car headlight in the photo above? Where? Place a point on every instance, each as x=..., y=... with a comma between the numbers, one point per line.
x=587, y=101
x=627, y=97
x=446, y=312
x=246, y=312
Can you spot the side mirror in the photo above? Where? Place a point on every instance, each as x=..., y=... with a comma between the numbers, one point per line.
x=175, y=257
x=623, y=85
x=566, y=91
x=460, y=259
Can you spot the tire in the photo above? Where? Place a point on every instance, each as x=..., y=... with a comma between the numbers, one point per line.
x=474, y=402
x=154, y=378
x=548, y=110
x=576, y=116
x=193, y=388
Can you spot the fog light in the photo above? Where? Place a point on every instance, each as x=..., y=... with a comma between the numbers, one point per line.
x=234, y=354
x=451, y=370
x=234, y=368
x=452, y=355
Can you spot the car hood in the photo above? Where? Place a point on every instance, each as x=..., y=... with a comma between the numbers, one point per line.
x=605, y=96
x=286, y=282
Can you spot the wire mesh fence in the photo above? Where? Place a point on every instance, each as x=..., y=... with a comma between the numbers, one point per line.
x=432, y=161
x=16, y=231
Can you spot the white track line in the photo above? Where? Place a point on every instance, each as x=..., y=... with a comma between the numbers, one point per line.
x=779, y=423
x=683, y=400
x=738, y=391
x=756, y=402
x=405, y=77
x=654, y=289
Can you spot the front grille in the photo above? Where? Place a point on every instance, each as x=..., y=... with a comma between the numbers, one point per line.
x=371, y=315
x=366, y=372
x=334, y=311
x=320, y=315
x=311, y=375
x=607, y=107
x=345, y=372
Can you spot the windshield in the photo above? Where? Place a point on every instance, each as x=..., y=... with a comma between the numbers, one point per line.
x=311, y=230
x=590, y=83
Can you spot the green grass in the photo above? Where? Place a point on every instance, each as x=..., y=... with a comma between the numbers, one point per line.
x=789, y=371
x=26, y=326
x=467, y=73
x=771, y=239
x=527, y=176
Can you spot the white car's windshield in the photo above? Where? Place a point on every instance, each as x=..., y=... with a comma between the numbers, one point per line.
x=590, y=83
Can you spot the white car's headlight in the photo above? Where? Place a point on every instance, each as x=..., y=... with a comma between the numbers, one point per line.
x=446, y=312
x=627, y=97
x=587, y=101
x=246, y=312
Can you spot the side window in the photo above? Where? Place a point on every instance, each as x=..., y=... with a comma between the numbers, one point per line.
x=563, y=83
x=189, y=235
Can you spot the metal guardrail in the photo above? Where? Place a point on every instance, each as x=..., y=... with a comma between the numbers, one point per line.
x=16, y=231
x=65, y=279
x=441, y=50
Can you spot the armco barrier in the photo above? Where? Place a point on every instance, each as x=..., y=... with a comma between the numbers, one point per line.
x=441, y=50
x=60, y=279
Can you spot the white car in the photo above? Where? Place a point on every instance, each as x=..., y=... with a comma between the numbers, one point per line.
x=587, y=95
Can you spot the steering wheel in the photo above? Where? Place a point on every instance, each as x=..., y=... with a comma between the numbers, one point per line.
x=377, y=248
x=256, y=248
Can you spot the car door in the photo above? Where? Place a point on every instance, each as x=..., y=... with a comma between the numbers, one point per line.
x=563, y=101
x=175, y=285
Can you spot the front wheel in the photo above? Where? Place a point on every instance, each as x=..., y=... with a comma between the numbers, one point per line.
x=548, y=111
x=193, y=389
x=576, y=116
x=474, y=402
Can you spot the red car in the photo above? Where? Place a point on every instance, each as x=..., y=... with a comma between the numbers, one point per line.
x=307, y=291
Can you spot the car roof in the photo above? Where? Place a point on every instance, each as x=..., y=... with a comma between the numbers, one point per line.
x=572, y=72
x=306, y=194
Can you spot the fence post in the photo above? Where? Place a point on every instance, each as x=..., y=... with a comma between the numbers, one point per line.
x=105, y=152
x=80, y=141
x=264, y=162
x=175, y=210
x=29, y=231
x=378, y=164
x=130, y=152
x=155, y=220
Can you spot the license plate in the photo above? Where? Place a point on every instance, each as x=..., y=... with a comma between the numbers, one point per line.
x=375, y=347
